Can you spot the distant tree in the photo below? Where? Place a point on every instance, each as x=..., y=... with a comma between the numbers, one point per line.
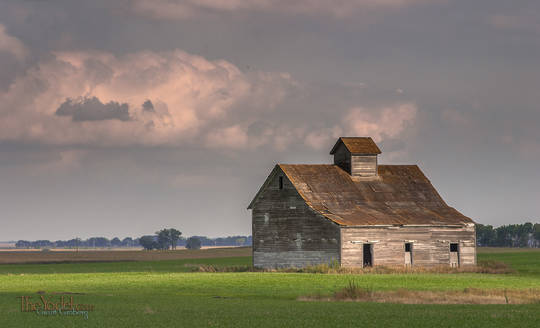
x=193, y=243
x=205, y=241
x=98, y=242
x=536, y=234
x=72, y=243
x=168, y=238
x=163, y=239
x=174, y=236
x=240, y=241
x=148, y=242
x=127, y=242
x=42, y=244
x=23, y=244
x=513, y=235
x=115, y=242
x=485, y=235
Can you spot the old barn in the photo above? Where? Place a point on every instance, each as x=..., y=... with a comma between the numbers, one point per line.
x=358, y=213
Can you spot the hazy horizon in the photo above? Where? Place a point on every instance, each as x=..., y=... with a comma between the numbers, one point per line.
x=124, y=117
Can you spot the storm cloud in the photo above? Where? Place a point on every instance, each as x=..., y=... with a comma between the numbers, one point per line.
x=148, y=106
x=92, y=109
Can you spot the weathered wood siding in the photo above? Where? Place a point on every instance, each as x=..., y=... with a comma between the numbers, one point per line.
x=287, y=233
x=363, y=165
x=342, y=158
x=430, y=245
x=360, y=165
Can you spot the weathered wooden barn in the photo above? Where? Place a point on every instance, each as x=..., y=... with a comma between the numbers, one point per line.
x=357, y=213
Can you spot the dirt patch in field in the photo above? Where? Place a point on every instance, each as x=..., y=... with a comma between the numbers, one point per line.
x=353, y=293
x=117, y=256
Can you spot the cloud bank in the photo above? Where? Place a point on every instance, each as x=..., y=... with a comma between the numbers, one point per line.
x=142, y=98
x=181, y=9
x=11, y=45
x=170, y=99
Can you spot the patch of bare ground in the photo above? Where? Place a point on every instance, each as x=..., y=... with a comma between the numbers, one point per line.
x=354, y=293
x=118, y=256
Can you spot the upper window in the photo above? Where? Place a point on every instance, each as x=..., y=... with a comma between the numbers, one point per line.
x=453, y=247
x=280, y=182
x=408, y=247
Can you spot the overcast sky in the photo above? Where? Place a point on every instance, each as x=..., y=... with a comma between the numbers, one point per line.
x=118, y=118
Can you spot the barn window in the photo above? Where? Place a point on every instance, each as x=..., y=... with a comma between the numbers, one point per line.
x=408, y=247
x=408, y=255
x=453, y=247
x=280, y=182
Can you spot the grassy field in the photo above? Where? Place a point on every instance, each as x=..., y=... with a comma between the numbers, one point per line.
x=166, y=294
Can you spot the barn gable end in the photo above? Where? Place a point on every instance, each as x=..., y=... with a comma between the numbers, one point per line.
x=286, y=231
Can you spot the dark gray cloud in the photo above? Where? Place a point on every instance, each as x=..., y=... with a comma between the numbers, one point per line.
x=92, y=109
x=148, y=106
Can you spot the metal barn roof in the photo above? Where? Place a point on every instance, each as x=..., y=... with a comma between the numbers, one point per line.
x=400, y=195
x=357, y=145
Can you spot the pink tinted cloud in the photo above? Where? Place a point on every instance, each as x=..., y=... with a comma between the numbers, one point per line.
x=12, y=45
x=189, y=95
x=181, y=9
x=388, y=121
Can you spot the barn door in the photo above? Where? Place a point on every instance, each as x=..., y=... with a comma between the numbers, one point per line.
x=408, y=254
x=368, y=255
x=454, y=255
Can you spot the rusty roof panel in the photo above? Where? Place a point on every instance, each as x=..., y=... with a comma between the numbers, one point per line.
x=400, y=195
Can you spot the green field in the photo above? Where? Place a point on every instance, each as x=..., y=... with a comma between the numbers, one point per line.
x=167, y=294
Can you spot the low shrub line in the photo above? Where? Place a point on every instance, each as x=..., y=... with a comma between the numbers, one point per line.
x=492, y=267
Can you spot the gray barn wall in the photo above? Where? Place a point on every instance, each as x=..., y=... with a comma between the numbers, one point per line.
x=430, y=245
x=287, y=233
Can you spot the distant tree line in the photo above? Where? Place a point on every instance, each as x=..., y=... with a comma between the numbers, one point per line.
x=512, y=235
x=162, y=239
x=94, y=242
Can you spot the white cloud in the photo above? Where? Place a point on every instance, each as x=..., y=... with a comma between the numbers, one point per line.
x=181, y=9
x=11, y=44
x=379, y=123
x=234, y=137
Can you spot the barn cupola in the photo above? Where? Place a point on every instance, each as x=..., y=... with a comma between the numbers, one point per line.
x=356, y=155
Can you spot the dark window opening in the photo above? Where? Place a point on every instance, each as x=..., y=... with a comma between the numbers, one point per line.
x=368, y=256
x=408, y=247
x=453, y=247
x=280, y=182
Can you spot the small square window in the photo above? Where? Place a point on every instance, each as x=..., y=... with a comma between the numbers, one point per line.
x=408, y=247
x=453, y=247
x=280, y=182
